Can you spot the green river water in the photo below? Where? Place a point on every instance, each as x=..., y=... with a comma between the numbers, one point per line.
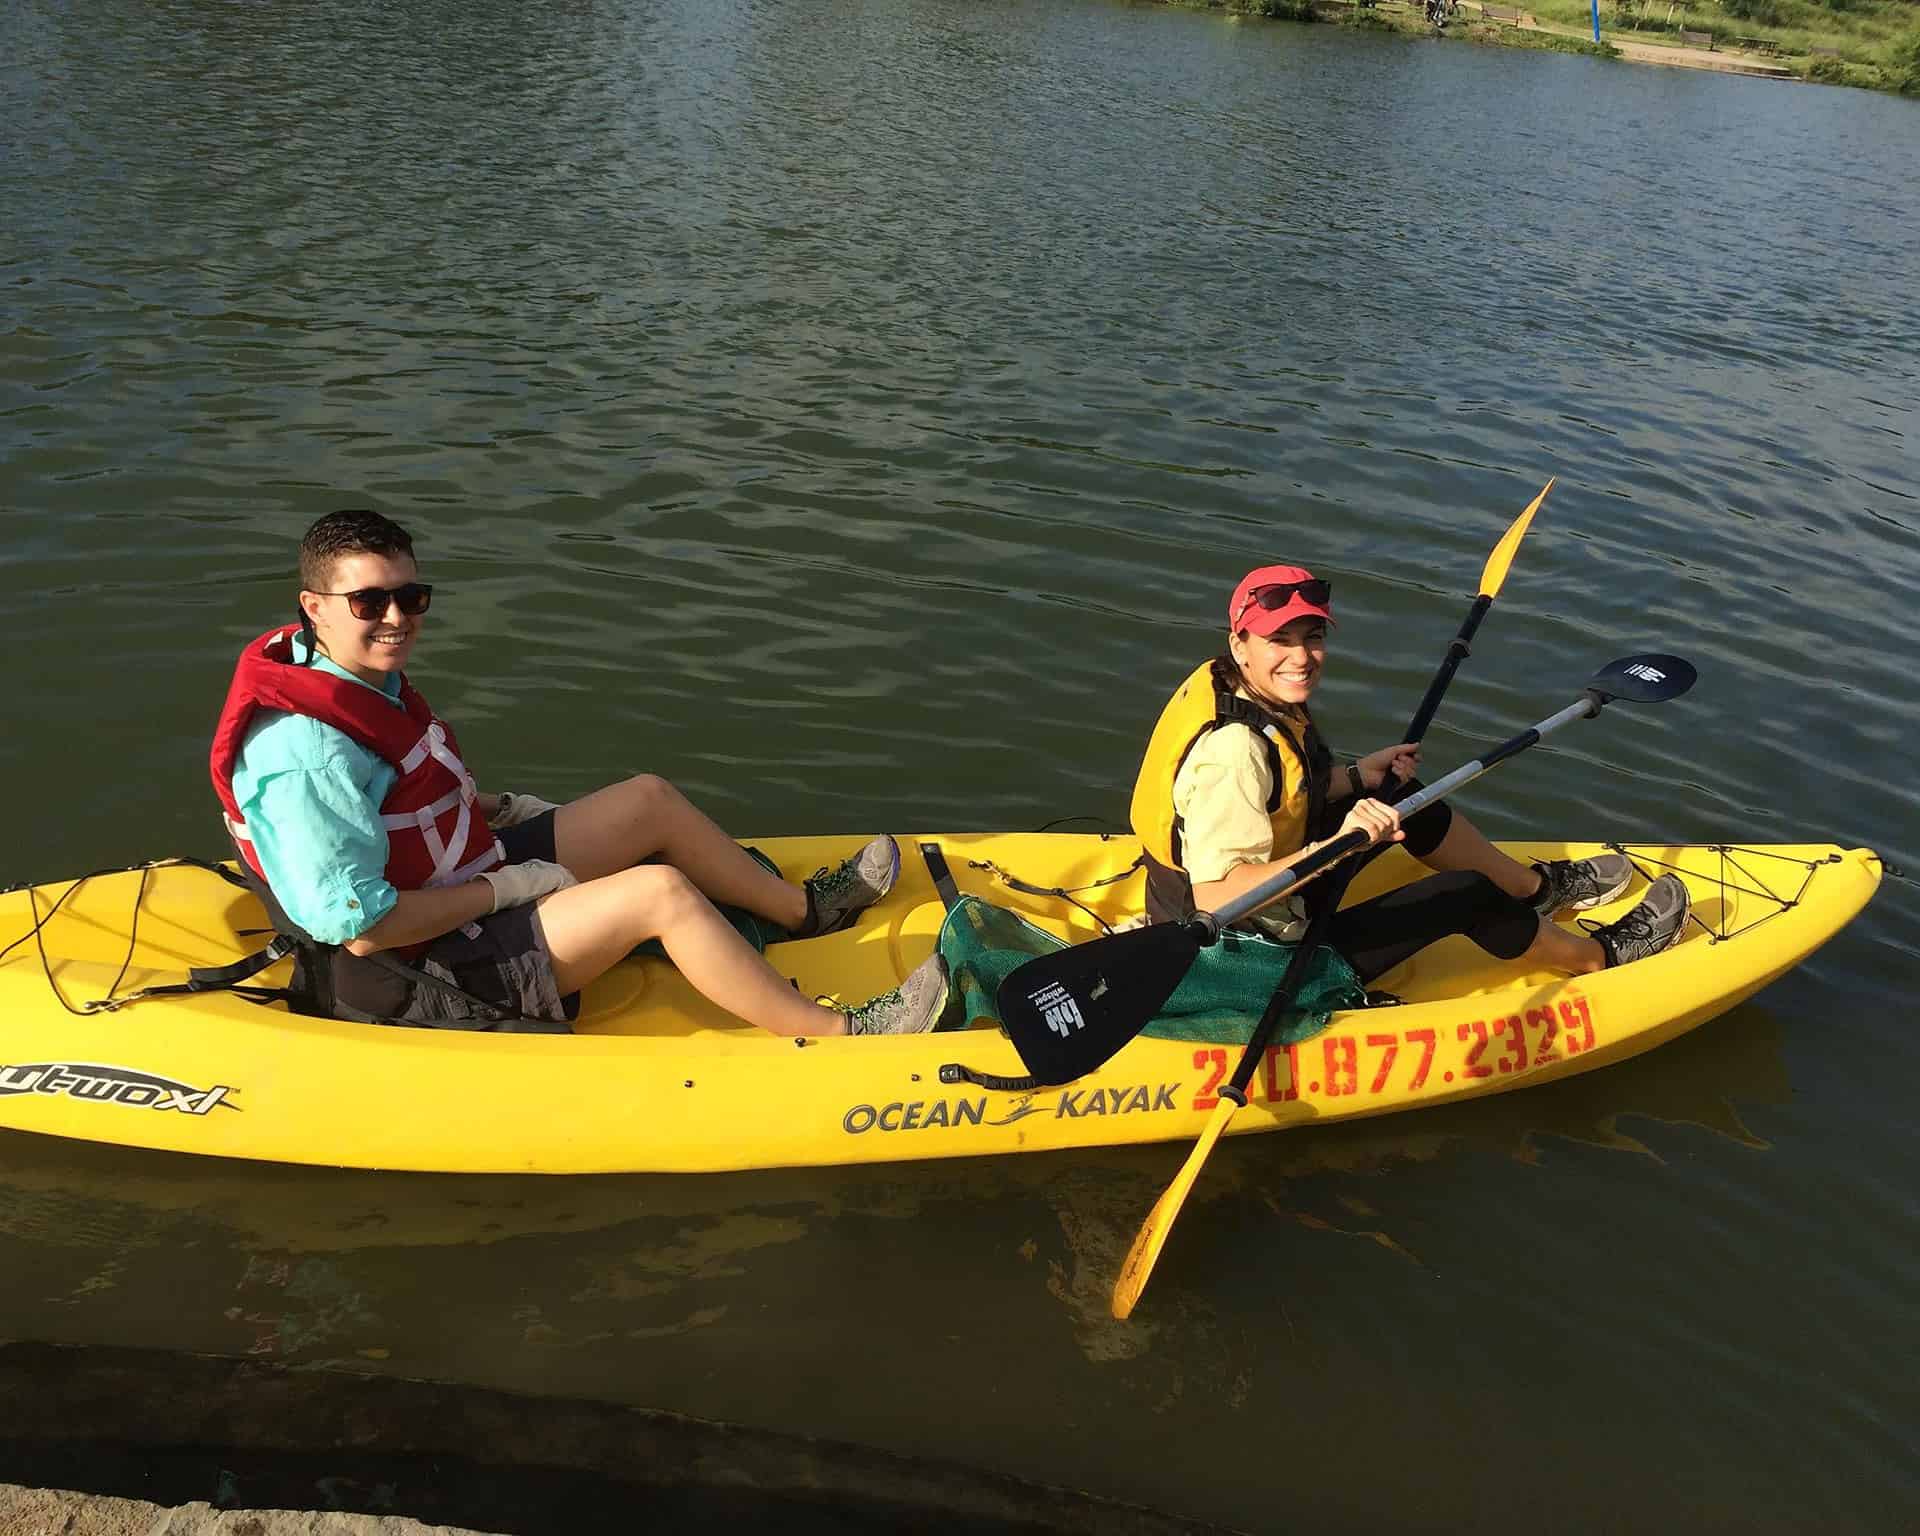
x=858, y=411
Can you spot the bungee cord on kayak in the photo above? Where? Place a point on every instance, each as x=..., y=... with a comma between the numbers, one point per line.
x=1730, y=855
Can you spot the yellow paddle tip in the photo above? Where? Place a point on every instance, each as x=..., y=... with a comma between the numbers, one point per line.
x=1152, y=1237
x=1496, y=571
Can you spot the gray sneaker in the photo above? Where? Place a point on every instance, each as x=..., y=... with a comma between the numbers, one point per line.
x=912, y=1008
x=1581, y=883
x=835, y=897
x=1654, y=925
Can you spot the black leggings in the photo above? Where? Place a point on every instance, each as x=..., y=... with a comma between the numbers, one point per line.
x=1377, y=935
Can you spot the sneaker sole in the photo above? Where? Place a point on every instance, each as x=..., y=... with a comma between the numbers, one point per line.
x=937, y=1012
x=1680, y=928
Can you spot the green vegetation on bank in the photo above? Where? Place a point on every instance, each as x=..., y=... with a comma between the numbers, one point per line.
x=1550, y=42
x=1466, y=27
x=1869, y=43
x=1874, y=43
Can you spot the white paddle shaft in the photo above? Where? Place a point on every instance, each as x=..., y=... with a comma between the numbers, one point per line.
x=1329, y=854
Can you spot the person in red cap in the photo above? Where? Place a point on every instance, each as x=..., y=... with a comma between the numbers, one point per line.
x=412, y=896
x=1237, y=784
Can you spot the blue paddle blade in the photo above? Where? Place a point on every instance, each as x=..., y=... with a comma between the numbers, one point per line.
x=1068, y=1012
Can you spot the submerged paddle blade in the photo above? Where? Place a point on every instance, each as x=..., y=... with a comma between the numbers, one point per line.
x=1650, y=678
x=1068, y=1012
x=1152, y=1236
x=1509, y=545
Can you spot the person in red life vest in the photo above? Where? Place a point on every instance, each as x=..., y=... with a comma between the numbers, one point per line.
x=353, y=810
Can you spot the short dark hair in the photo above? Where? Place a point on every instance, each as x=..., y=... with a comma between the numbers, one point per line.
x=340, y=534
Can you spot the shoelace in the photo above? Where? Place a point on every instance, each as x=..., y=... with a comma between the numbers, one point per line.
x=862, y=1014
x=1635, y=925
x=1570, y=879
x=828, y=883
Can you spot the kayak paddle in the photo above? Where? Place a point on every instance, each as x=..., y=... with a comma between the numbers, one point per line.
x=1647, y=679
x=1491, y=579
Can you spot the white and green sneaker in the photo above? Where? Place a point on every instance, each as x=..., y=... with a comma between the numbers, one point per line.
x=912, y=1008
x=1581, y=883
x=835, y=897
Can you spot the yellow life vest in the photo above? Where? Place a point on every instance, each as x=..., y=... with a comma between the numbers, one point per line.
x=1200, y=705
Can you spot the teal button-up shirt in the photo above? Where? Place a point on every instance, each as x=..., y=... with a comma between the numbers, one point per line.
x=310, y=796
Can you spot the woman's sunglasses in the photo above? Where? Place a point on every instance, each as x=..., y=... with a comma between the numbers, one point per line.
x=1317, y=592
x=370, y=603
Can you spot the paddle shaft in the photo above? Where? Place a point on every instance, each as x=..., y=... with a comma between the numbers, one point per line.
x=1272, y=889
x=1457, y=652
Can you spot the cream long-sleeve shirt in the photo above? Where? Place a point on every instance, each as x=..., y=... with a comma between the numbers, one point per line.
x=1221, y=794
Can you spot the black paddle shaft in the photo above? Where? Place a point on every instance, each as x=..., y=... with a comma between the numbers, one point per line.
x=1458, y=651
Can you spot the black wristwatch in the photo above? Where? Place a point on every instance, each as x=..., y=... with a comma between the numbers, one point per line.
x=1359, y=784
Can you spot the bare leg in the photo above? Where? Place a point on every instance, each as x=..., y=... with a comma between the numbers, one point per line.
x=591, y=926
x=614, y=828
x=1557, y=949
x=1465, y=847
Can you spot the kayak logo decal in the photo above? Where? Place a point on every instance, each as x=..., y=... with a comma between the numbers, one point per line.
x=1057, y=1009
x=1645, y=673
x=1062, y=1104
x=96, y=1083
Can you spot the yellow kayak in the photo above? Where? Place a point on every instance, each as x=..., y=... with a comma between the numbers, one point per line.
x=656, y=1080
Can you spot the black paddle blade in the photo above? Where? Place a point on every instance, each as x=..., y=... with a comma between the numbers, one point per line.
x=1650, y=678
x=1068, y=1012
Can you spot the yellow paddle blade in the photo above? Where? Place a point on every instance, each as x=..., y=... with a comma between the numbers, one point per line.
x=1153, y=1236
x=1504, y=551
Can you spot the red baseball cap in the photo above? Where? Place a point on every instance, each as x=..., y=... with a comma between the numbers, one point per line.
x=1269, y=599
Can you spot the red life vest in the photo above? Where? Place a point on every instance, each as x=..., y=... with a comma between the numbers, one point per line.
x=434, y=833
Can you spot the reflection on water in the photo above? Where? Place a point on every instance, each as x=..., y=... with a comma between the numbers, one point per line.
x=298, y=1253
x=86, y=1195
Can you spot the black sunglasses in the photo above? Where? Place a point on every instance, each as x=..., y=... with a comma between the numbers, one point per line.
x=369, y=603
x=1317, y=592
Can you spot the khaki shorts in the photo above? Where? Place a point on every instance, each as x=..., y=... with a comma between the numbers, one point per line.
x=501, y=959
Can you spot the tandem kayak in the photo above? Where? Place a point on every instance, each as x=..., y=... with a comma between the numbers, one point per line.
x=655, y=1079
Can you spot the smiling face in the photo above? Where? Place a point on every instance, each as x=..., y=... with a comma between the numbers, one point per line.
x=1283, y=668
x=371, y=649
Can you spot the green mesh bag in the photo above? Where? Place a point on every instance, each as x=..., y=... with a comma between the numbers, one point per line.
x=1219, y=1002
